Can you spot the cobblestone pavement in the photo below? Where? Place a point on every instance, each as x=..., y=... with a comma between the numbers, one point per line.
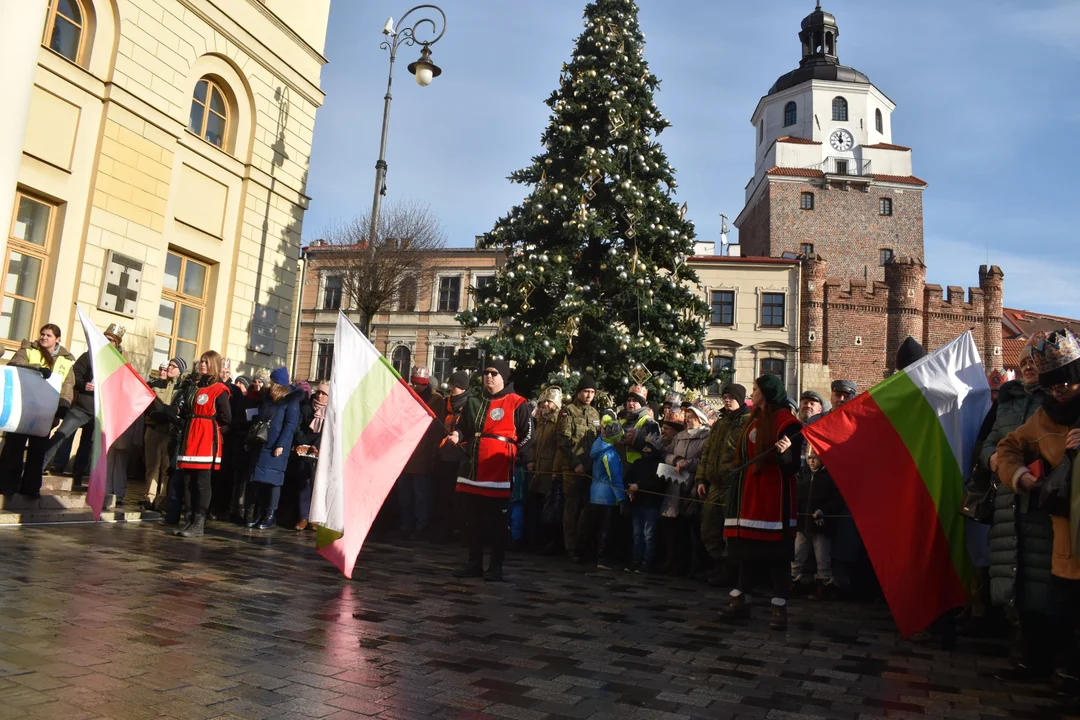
x=124, y=621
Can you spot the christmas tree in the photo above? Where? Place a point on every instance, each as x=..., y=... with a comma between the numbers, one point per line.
x=596, y=279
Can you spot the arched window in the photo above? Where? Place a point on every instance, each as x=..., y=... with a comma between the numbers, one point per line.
x=402, y=361
x=209, y=113
x=878, y=121
x=64, y=27
x=791, y=114
x=839, y=109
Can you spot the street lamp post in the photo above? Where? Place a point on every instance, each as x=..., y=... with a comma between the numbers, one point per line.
x=424, y=70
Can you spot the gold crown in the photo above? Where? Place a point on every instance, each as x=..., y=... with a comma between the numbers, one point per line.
x=1054, y=350
x=116, y=331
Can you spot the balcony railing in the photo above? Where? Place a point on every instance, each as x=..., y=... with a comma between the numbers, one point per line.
x=851, y=167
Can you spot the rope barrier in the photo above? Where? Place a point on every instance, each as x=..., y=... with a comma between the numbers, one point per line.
x=557, y=475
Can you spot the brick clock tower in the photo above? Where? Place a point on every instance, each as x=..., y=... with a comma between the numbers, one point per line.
x=827, y=179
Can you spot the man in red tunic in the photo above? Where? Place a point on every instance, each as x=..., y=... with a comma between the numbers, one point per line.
x=494, y=427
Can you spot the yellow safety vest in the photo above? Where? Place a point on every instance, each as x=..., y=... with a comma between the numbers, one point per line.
x=632, y=456
x=61, y=366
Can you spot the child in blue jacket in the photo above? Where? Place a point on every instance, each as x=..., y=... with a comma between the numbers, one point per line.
x=607, y=494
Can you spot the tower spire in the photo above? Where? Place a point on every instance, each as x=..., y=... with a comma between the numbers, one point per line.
x=818, y=35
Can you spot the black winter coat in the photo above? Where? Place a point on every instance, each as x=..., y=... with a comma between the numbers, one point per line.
x=816, y=490
x=1021, y=535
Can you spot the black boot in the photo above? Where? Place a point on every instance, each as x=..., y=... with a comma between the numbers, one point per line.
x=196, y=528
x=268, y=521
x=494, y=574
x=737, y=607
x=253, y=516
x=470, y=570
x=186, y=521
x=779, y=617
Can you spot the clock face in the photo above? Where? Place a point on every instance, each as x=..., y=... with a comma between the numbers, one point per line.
x=841, y=140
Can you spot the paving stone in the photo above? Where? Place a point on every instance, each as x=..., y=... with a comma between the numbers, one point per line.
x=125, y=621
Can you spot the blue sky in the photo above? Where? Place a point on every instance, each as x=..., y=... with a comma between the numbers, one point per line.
x=985, y=93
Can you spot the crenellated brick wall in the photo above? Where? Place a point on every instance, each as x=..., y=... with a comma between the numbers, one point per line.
x=859, y=326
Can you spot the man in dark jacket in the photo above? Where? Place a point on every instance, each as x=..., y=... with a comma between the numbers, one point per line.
x=495, y=426
x=81, y=414
x=414, y=485
x=713, y=477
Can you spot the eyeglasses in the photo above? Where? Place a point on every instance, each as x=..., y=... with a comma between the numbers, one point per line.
x=491, y=373
x=1062, y=388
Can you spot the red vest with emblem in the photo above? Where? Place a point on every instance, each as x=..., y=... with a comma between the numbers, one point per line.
x=201, y=449
x=765, y=506
x=494, y=449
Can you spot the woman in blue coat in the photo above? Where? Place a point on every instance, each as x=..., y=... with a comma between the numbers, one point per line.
x=280, y=408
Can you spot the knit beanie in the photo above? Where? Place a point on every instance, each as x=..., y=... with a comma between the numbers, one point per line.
x=736, y=391
x=280, y=376
x=610, y=427
x=459, y=380
x=908, y=352
x=180, y=363
x=502, y=367
x=242, y=380
x=772, y=388
x=585, y=383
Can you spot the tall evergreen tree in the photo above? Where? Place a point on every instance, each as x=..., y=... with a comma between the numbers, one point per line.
x=596, y=277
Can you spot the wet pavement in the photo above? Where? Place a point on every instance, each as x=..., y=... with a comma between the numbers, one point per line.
x=124, y=621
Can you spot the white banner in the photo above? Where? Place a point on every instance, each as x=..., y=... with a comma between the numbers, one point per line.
x=27, y=402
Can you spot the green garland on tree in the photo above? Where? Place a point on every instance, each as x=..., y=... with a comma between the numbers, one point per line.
x=596, y=278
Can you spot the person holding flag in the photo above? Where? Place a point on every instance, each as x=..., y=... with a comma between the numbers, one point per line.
x=760, y=515
x=495, y=426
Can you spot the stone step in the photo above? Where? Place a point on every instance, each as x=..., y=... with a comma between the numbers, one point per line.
x=52, y=516
x=50, y=501
x=57, y=483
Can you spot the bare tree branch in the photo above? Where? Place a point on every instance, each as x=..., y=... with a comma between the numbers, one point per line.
x=399, y=259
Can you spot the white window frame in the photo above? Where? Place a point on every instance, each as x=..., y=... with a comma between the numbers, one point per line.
x=758, y=311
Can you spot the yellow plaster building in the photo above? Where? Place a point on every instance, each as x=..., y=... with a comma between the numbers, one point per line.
x=160, y=182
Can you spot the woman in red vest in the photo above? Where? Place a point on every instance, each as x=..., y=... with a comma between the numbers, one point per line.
x=760, y=520
x=204, y=414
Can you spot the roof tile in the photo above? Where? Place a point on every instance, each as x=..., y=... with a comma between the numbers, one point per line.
x=887, y=146
x=903, y=179
x=796, y=172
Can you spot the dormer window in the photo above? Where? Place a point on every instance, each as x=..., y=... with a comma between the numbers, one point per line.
x=839, y=109
x=791, y=114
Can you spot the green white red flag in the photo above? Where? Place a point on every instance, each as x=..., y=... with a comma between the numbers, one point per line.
x=120, y=397
x=374, y=421
x=899, y=455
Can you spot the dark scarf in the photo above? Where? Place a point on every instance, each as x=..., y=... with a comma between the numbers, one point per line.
x=457, y=402
x=1062, y=413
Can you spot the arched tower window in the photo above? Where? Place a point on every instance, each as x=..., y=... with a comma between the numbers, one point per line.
x=64, y=28
x=839, y=109
x=209, y=117
x=878, y=123
x=830, y=45
x=760, y=131
x=791, y=114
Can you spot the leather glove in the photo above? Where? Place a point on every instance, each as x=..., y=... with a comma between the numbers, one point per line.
x=46, y=373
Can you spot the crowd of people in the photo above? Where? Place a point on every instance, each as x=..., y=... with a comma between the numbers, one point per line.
x=727, y=494
x=210, y=446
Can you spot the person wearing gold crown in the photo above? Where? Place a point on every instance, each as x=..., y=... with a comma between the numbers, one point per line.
x=544, y=509
x=1025, y=459
x=1021, y=535
x=643, y=447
